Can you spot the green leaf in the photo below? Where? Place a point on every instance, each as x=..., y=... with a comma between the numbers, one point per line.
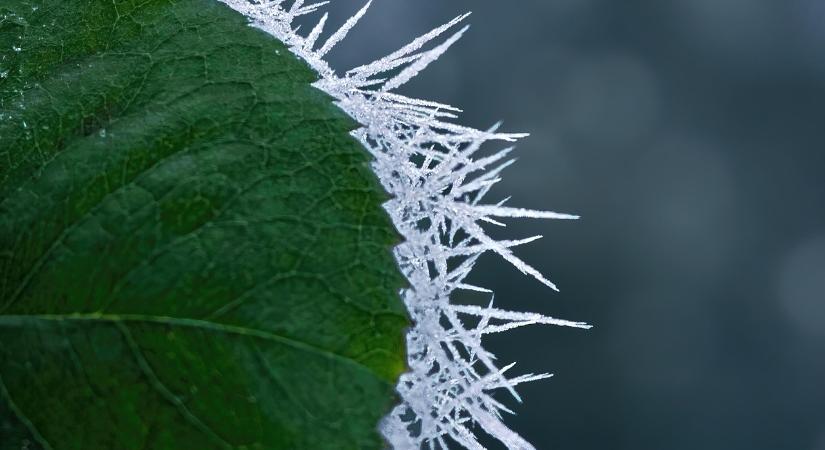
x=193, y=253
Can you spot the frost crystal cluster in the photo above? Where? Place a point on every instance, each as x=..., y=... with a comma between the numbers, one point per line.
x=437, y=180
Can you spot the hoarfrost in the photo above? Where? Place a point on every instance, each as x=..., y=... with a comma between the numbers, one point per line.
x=432, y=168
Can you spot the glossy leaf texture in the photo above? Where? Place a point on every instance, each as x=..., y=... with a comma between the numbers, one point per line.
x=193, y=252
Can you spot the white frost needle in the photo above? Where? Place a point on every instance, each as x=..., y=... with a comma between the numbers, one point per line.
x=339, y=35
x=429, y=166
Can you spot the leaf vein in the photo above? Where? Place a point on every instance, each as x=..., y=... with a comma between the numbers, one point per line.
x=237, y=330
x=4, y=393
x=164, y=392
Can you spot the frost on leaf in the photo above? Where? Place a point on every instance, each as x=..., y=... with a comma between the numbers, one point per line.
x=438, y=180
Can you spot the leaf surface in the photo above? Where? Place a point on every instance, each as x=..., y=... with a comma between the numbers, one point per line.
x=193, y=253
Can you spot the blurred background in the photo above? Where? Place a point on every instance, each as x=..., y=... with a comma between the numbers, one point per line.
x=690, y=136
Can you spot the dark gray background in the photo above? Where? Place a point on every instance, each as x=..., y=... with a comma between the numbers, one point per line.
x=690, y=135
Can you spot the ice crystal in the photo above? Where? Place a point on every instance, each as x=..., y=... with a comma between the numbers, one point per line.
x=437, y=179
